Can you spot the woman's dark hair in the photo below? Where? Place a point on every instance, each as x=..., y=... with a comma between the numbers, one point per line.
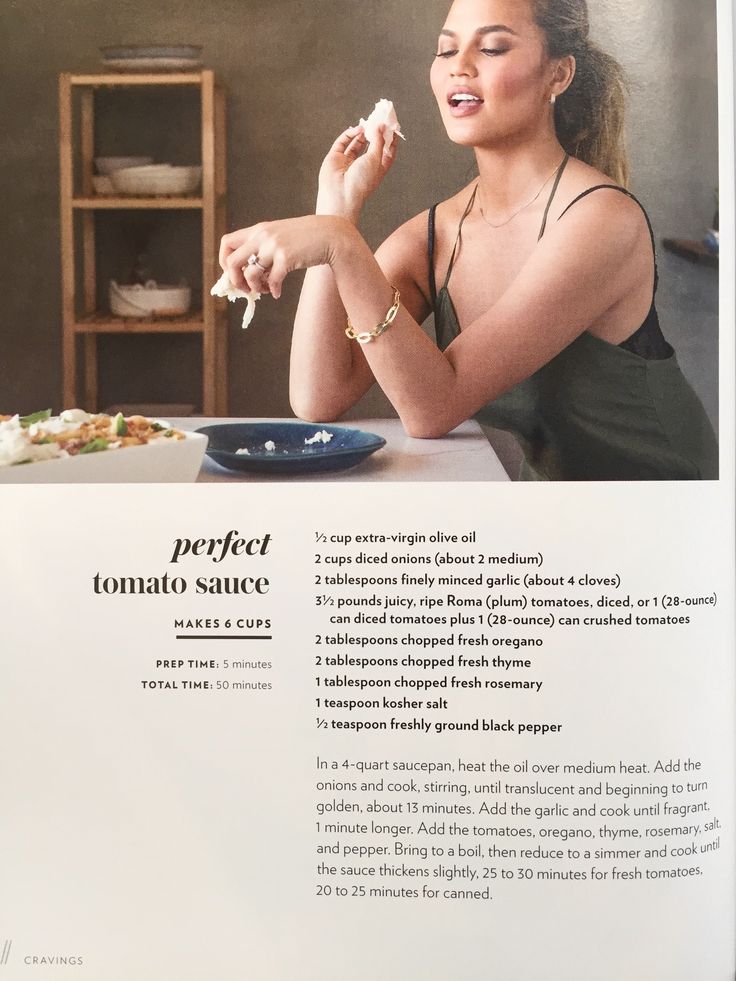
x=590, y=115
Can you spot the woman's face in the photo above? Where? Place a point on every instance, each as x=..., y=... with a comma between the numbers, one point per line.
x=491, y=77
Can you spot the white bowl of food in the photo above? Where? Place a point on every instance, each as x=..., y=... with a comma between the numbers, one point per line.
x=149, y=300
x=80, y=447
x=157, y=180
x=108, y=165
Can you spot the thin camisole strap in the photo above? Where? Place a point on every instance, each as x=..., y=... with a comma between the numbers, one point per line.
x=615, y=187
x=558, y=178
x=468, y=209
x=458, y=238
x=430, y=250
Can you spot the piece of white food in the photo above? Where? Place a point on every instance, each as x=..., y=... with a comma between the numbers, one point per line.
x=321, y=437
x=383, y=114
x=224, y=288
x=16, y=447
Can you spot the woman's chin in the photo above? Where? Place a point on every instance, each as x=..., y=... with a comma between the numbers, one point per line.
x=464, y=139
x=481, y=137
x=466, y=132
x=466, y=136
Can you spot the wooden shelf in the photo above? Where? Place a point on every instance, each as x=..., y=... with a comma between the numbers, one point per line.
x=106, y=323
x=137, y=78
x=83, y=323
x=110, y=203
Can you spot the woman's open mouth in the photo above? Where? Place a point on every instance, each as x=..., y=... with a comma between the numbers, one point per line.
x=464, y=103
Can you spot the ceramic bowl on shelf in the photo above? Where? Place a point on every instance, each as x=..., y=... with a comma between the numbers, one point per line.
x=108, y=165
x=102, y=184
x=158, y=179
x=149, y=300
x=152, y=57
x=151, y=168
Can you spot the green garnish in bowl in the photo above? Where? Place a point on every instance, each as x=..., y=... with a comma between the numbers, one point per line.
x=41, y=416
x=95, y=446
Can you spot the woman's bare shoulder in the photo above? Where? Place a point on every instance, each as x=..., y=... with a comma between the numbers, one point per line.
x=403, y=257
x=583, y=186
x=404, y=252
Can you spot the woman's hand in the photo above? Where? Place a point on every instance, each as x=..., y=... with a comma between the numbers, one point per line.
x=352, y=171
x=282, y=247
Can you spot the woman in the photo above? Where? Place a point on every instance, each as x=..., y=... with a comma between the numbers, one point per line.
x=550, y=329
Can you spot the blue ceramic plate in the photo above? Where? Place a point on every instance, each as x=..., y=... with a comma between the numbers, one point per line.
x=291, y=454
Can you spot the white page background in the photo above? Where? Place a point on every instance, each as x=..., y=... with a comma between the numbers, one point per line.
x=169, y=834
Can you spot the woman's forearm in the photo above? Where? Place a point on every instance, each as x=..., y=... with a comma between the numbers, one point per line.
x=414, y=374
x=323, y=380
x=329, y=371
x=327, y=374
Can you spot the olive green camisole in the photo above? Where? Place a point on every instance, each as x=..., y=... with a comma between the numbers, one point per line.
x=597, y=411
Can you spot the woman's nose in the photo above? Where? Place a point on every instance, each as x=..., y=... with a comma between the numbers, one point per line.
x=463, y=65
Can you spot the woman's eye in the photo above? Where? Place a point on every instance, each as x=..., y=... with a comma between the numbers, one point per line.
x=491, y=52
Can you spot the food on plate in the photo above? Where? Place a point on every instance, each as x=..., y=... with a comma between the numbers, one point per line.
x=383, y=114
x=224, y=288
x=41, y=436
x=321, y=437
x=270, y=446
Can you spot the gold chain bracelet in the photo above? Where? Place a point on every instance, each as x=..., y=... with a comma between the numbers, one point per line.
x=366, y=336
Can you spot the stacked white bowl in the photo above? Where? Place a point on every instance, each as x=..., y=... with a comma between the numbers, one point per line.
x=149, y=300
x=140, y=177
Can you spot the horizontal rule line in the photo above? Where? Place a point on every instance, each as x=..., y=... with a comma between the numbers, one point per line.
x=224, y=637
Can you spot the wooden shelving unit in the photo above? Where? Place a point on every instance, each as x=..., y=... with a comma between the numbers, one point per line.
x=100, y=202
x=96, y=323
x=82, y=321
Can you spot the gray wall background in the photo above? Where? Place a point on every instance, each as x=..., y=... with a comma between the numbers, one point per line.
x=297, y=72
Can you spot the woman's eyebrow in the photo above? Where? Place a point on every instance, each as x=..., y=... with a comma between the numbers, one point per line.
x=489, y=29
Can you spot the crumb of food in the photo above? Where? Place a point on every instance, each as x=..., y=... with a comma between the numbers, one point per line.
x=321, y=437
x=269, y=446
x=383, y=114
x=243, y=451
x=224, y=288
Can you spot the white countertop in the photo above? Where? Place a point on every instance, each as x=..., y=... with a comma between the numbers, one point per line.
x=465, y=454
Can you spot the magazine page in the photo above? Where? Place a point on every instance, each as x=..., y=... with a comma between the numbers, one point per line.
x=391, y=636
